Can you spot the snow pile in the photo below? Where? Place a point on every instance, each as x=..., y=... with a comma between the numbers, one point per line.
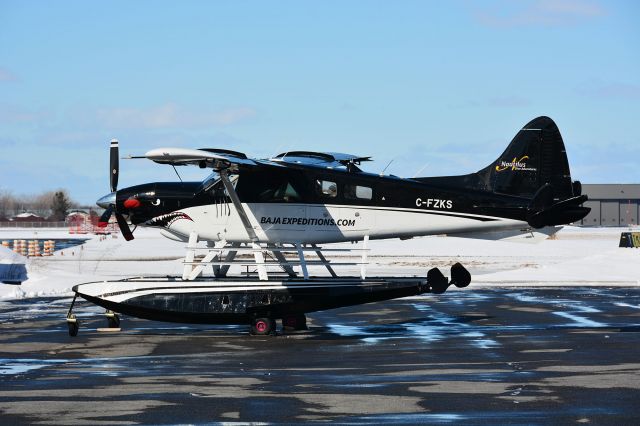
x=576, y=256
x=12, y=267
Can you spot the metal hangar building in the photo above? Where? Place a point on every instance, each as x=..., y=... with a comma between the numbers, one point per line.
x=612, y=204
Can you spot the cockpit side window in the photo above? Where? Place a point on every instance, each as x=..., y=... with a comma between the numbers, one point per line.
x=210, y=181
x=358, y=192
x=326, y=188
x=215, y=187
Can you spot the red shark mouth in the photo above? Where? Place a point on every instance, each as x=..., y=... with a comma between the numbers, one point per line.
x=166, y=220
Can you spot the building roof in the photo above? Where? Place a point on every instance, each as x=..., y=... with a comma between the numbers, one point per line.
x=26, y=214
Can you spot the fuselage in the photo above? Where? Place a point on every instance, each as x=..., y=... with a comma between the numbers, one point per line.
x=320, y=205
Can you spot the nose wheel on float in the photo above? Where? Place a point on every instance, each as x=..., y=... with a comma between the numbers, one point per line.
x=73, y=324
x=72, y=321
x=113, y=320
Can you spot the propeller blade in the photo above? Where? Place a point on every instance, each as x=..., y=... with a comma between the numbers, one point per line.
x=114, y=167
x=104, y=219
x=124, y=227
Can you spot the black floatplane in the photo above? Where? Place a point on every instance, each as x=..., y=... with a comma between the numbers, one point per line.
x=275, y=213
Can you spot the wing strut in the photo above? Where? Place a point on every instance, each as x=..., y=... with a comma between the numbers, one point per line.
x=238, y=205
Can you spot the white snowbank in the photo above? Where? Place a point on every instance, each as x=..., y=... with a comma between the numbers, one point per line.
x=12, y=267
x=577, y=256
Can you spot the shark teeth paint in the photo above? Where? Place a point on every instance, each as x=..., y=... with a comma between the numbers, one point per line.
x=166, y=220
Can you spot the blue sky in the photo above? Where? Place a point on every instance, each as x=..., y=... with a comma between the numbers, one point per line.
x=433, y=85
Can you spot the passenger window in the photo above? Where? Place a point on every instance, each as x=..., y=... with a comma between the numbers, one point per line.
x=358, y=192
x=327, y=188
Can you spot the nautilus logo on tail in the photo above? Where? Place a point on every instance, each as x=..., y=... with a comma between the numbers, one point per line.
x=515, y=165
x=166, y=220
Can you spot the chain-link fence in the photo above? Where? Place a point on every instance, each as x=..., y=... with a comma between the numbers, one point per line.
x=18, y=224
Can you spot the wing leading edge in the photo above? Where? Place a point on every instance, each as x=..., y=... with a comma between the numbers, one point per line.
x=217, y=160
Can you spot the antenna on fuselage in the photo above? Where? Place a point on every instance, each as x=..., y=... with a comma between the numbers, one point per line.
x=286, y=151
x=420, y=170
x=277, y=151
x=387, y=166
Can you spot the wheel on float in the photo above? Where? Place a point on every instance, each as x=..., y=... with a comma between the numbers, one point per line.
x=113, y=320
x=263, y=326
x=73, y=325
x=294, y=322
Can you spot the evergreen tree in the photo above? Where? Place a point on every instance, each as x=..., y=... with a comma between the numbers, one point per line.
x=59, y=206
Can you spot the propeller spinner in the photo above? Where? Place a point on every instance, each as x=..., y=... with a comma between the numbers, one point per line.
x=108, y=202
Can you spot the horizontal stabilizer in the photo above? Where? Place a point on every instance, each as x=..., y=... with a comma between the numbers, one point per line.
x=527, y=235
x=562, y=212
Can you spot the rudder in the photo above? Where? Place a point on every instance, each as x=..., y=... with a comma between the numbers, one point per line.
x=535, y=156
x=533, y=167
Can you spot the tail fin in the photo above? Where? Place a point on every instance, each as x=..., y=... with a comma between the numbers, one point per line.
x=535, y=157
x=534, y=166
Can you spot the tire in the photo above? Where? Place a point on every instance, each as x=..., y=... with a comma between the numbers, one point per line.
x=73, y=328
x=263, y=326
x=114, y=321
x=294, y=322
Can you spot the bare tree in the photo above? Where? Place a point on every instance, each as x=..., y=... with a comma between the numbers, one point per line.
x=50, y=203
x=7, y=204
x=42, y=204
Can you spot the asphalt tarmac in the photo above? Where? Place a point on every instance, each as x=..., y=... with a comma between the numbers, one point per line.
x=487, y=356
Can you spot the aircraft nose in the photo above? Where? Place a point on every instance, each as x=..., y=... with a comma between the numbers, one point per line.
x=108, y=199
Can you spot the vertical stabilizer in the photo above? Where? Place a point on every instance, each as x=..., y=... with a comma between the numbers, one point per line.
x=535, y=157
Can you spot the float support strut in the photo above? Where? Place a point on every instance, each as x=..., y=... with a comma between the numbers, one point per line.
x=303, y=263
x=191, y=254
x=363, y=266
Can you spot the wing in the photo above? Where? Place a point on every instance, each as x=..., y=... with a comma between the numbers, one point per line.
x=215, y=159
x=219, y=159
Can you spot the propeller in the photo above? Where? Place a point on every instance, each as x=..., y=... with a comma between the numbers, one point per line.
x=108, y=202
x=114, y=165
